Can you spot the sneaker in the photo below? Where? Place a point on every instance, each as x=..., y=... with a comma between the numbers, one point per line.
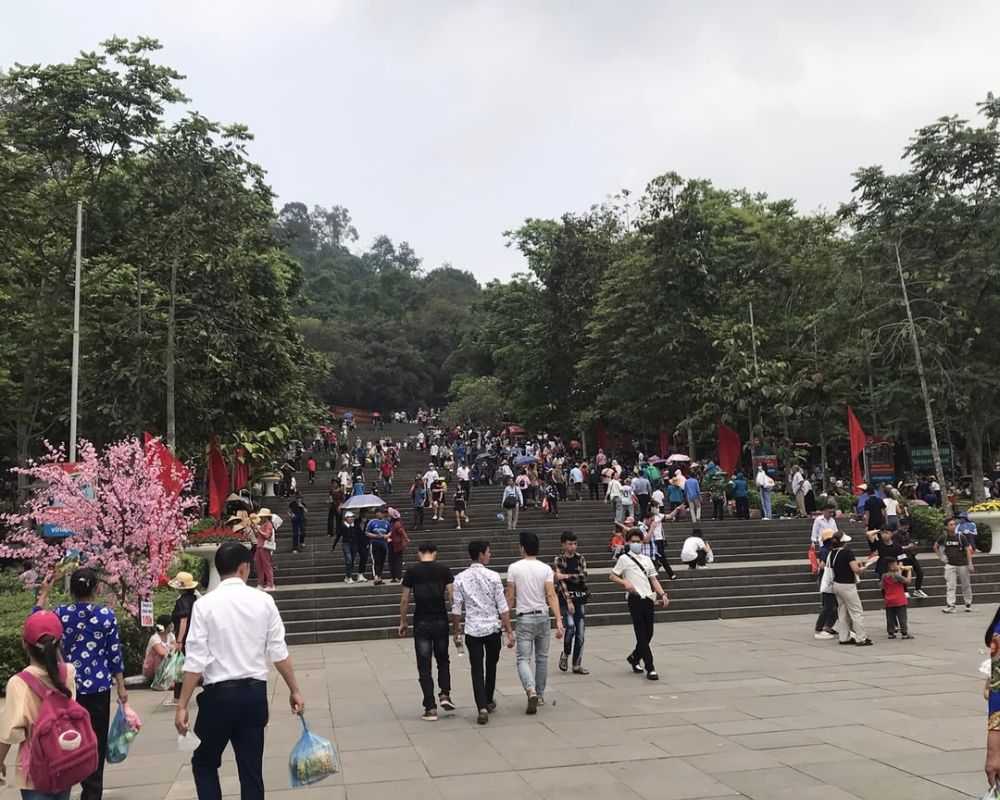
x=445, y=701
x=823, y=635
x=483, y=717
x=430, y=714
x=920, y=593
x=361, y=579
x=563, y=662
x=968, y=607
x=892, y=636
x=532, y=705
x=458, y=527
x=634, y=662
x=652, y=676
x=865, y=643
x=348, y=579
x=906, y=636
x=541, y=700
x=948, y=610
x=491, y=707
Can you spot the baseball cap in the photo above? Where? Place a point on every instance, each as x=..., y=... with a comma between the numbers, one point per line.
x=39, y=624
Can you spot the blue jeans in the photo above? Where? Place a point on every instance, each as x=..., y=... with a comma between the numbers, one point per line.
x=532, y=637
x=350, y=550
x=31, y=794
x=298, y=532
x=575, y=625
x=765, y=503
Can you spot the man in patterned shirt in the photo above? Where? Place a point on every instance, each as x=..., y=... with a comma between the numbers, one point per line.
x=480, y=591
x=570, y=569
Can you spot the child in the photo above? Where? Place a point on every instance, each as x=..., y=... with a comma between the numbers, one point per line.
x=459, y=502
x=617, y=542
x=41, y=638
x=552, y=498
x=158, y=646
x=894, y=584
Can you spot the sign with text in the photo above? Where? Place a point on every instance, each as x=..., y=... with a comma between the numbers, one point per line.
x=146, y=613
x=922, y=458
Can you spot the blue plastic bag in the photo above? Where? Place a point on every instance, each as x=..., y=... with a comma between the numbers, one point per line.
x=124, y=728
x=313, y=758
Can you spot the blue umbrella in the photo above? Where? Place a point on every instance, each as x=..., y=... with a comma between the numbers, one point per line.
x=363, y=501
x=520, y=461
x=347, y=415
x=483, y=455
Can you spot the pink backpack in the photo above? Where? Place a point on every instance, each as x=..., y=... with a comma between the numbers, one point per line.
x=63, y=747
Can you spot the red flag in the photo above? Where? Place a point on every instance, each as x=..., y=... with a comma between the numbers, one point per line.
x=664, y=443
x=602, y=436
x=241, y=470
x=173, y=473
x=218, y=480
x=858, y=440
x=729, y=449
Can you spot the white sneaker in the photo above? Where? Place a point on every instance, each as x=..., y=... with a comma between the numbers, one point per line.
x=948, y=610
x=906, y=593
x=361, y=579
x=823, y=635
x=348, y=579
x=920, y=593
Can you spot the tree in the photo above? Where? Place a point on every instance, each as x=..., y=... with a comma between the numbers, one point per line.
x=476, y=402
x=128, y=510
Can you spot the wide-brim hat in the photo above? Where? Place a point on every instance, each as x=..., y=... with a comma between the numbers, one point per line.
x=863, y=487
x=829, y=533
x=393, y=513
x=183, y=580
x=264, y=512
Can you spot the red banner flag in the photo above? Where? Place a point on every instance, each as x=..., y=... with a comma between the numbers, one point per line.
x=664, y=443
x=241, y=470
x=858, y=440
x=218, y=480
x=173, y=473
x=729, y=449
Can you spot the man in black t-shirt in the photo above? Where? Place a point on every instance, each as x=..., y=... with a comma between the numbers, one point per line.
x=874, y=513
x=955, y=552
x=430, y=584
x=882, y=542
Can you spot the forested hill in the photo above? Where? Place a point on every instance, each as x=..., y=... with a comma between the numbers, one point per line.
x=385, y=326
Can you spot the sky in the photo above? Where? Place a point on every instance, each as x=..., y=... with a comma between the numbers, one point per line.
x=446, y=123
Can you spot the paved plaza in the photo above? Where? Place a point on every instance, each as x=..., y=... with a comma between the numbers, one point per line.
x=750, y=708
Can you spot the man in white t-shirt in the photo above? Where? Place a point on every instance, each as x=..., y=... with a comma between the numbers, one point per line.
x=531, y=593
x=695, y=551
x=429, y=477
x=659, y=557
x=824, y=522
x=636, y=574
x=462, y=476
x=658, y=497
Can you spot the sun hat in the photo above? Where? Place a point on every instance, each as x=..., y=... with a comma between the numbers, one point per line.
x=39, y=624
x=863, y=487
x=264, y=512
x=183, y=580
x=393, y=513
x=829, y=533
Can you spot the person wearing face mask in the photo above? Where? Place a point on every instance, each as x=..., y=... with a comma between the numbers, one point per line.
x=635, y=573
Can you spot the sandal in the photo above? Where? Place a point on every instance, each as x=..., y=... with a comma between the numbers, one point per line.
x=563, y=666
x=580, y=671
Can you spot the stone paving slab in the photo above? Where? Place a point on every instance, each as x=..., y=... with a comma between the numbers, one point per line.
x=746, y=708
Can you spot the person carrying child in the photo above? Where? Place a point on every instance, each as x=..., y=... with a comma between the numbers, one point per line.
x=895, y=582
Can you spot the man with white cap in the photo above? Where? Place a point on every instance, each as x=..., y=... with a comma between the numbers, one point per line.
x=350, y=549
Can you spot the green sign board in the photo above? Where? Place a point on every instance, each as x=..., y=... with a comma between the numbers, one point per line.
x=922, y=458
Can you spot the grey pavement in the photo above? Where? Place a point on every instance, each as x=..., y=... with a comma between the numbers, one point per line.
x=752, y=708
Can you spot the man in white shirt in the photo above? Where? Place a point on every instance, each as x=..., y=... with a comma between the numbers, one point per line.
x=576, y=479
x=429, y=477
x=764, y=485
x=636, y=574
x=511, y=501
x=531, y=588
x=462, y=475
x=480, y=591
x=824, y=522
x=695, y=550
x=614, y=495
x=798, y=491
x=234, y=632
x=658, y=497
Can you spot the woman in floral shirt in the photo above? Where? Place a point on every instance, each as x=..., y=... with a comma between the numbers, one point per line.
x=91, y=644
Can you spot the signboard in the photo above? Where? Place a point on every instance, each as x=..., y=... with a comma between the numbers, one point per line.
x=922, y=459
x=146, y=613
x=881, y=462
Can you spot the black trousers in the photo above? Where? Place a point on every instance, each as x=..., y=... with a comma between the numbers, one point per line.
x=661, y=557
x=895, y=617
x=718, y=508
x=378, y=560
x=828, y=613
x=642, y=622
x=643, y=504
x=98, y=705
x=467, y=488
x=418, y=517
x=430, y=638
x=237, y=714
x=700, y=561
x=592, y=490
x=743, y=507
x=484, y=653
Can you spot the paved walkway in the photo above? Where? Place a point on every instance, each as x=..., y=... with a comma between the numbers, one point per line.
x=750, y=708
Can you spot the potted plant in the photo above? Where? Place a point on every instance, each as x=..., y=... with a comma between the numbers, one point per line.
x=205, y=541
x=988, y=513
x=269, y=479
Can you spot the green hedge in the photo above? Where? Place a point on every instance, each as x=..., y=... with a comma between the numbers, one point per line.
x=15, y=606
x=926, y=523
x=188, y=562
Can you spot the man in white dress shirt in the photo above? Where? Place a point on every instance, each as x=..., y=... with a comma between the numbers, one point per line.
x=235, y=630
x=480, y=591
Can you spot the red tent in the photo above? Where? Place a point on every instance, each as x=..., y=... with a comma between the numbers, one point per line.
x=516, y=430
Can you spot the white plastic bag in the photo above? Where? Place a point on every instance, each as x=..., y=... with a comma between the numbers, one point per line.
x=188, y=742
x=992, y=794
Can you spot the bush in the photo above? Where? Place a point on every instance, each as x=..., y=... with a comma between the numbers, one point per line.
x=926, y=523
x=984, y=537
x=188, y=562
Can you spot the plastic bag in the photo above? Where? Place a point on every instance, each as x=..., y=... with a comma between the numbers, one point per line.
x=124, y=728
x=166, y=674
x=313, y=758
x=992, y=794
x=187, y=742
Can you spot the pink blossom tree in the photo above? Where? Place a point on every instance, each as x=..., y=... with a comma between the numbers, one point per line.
x=126, y=507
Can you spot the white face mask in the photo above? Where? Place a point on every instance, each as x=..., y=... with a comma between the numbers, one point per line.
x=635, y=547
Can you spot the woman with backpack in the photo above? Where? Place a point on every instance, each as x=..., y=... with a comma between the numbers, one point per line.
x=44, y=692
x=91, y=644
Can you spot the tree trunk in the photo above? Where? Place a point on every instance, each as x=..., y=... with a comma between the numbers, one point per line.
x=935, y=450
x=583, y=441
x=171, y=332
x=822, y=458
x=974, y=446
x=691, y=450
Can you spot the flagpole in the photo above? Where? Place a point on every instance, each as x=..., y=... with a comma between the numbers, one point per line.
x=75, y=370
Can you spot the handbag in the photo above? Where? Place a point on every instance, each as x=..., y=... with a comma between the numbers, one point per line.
x=826, y=582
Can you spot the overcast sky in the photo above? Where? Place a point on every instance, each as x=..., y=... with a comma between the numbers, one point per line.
x=446, y=123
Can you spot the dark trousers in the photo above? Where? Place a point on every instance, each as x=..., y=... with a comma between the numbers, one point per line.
x=828, y=613
x=575, y=625
x=642, y=622
x=743, y=507
x=331, y=521
x=553, y=504
x=661, y=557
x=378, y=561
x=895, y=617
x=592, y=490
x=298, y=532
x=466, y=487
x=98, y=705
x=418, y=517
x=643, y=504
x=430, y=638
x=918, y=572
x=364, y=551
x=236, y=714
x=484, y=653
x=700, y=561
x=396, y=564
x=718, y=508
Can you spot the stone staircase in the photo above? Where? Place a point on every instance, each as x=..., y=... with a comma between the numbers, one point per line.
x=760, y=567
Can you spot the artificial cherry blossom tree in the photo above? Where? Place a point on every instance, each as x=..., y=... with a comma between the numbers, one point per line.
x=127, y=508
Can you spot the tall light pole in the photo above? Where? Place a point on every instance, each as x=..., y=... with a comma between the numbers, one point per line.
x=75, y=380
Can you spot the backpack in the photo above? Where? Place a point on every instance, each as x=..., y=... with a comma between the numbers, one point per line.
x=509, y=499
x=62, y=751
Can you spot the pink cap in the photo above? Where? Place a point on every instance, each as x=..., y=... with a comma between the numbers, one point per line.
x=39, y=624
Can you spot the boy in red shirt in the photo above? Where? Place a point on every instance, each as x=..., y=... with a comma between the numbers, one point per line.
x=895, y=582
